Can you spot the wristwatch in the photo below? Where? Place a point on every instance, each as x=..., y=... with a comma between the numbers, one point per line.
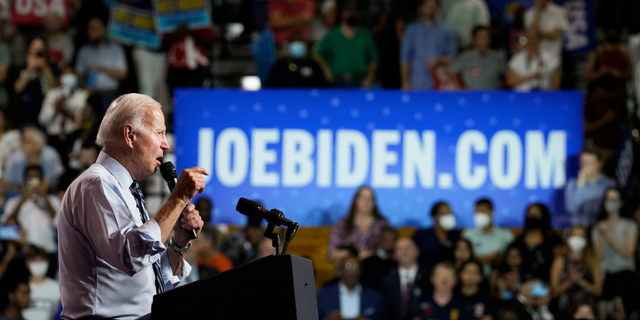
x=179, y=249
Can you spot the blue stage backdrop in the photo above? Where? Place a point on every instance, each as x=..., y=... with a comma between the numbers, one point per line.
x=306, y=152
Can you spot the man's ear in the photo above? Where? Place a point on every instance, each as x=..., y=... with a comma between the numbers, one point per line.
x=129, y=135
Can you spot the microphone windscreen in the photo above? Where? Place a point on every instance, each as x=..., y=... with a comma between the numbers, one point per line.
x=168, y=171
x=247, y=207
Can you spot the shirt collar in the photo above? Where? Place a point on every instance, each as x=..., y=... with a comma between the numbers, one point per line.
x=411, y=273
x=121, y=173
x=344, y=289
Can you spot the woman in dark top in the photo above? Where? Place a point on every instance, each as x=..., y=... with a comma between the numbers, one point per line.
x=461, y=253
x=474, y=291
x=538, y=243
x=437, y=241
x=505, y=281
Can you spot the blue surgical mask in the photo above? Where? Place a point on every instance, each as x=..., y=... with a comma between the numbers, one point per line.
x=69, y=81
x=298, y=49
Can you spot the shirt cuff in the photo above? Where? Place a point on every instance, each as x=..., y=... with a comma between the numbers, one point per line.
x=172, y=281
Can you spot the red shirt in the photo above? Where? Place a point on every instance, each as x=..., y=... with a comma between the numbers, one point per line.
x=286, y=9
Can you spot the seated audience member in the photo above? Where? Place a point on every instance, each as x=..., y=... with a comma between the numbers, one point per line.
x=34, y=151
x=508, y=313
x=583, y=195
x=534, y=68
x=240, y=246
x=379, y=265
x=208, y=253
x=296, y=69
x=205, y=206
x=361, y=227
x=347, y=298
x=45, y=291
x=462, y=16
x=35, y=211
x=480, y=68
x=615, y=239
x=461, y=253
x=488, y=240
x=575, y=276
x=9, y=142
x=101, y=63
x=348, y=52
x=436, y=243
x=34, y=81
x=605, y=114
x=506, y=280
x=17, y=292
x=532, y=301
x=85, y=157
x=550, y=21
x=538, y=243
x=584, y=311
x=198, y=271
x=287, y=17
x=473, y=291
x=443, y=303
x=610, y=58
x=61, y=45
x=426, y=45
x=403, y=289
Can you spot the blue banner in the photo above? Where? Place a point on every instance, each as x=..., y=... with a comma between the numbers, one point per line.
x=170, y=14
x=306, y=152
x=130, y=26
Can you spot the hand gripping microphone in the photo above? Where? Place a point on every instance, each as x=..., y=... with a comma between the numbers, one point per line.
x=169, y=175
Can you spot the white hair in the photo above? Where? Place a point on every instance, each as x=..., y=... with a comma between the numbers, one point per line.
x=39, y=138
x=126, y=109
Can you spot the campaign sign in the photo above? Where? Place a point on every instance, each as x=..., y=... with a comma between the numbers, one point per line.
x=306, y=152
x=170, y=14
x=130, y=25
x=33, y=12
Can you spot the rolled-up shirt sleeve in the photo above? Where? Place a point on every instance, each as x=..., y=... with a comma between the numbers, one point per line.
x=171, y=281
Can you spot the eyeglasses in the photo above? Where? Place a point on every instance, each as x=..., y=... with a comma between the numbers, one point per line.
x=352, y=266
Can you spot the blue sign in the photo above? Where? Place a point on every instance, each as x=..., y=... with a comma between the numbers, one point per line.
x=306, y=152
x=130, y=25
x=170, y=14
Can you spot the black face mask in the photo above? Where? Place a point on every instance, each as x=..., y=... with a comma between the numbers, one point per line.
x=533, y=223
x=353, y=20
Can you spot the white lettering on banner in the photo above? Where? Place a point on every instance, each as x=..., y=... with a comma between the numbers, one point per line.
x=505, y=140
x=40, y=8
x=420, y=157
x=352, y=147
x=232, y=144
x=325, y=157
x=23, y=7
x=382, y=158
x=261, y=157
x=205, y=151
x=542, y=163
x=470, y=176
x=576, y=35
x=297, y=164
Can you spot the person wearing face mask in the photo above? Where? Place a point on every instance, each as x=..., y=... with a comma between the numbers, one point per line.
x=489, y=241
x=575, y=276
x=538, y=243
x=615, y=239
x=45, y=292
x=436, y=242
x=296, y=69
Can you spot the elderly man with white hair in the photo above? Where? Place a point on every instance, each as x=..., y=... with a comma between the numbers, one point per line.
x=113, y=257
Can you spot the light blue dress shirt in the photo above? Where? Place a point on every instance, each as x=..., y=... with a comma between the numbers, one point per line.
x=583, y=203
x=106, y=252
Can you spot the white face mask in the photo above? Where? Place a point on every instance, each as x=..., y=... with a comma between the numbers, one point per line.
x=576, y=243
x=482, y=220
x=447, y=221
x=612, y=206
x=69, y=81
x=39, y=269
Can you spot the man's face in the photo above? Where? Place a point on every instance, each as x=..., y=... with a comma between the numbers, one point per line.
x=405, y=252
x=443, y=279
x=52, y=22
x=30, y=144
x=254, y=234
x=95, y=30
x=20, y=297
x=350, y=271
x=429, y=9
x=149, y=143
x=485, y=209
x=387, y=241
x=589, y=162
x=481, y=40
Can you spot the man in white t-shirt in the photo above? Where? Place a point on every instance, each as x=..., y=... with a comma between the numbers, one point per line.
x=45, y=292
x=551, y=22
x=534, y=68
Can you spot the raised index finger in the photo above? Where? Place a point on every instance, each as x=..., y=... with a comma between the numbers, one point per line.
x=200, y=170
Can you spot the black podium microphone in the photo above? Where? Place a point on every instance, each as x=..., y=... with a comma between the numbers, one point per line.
x=168, y=171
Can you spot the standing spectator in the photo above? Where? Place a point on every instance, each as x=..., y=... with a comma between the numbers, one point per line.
x=427, y=44
x=287, y=17
x=208, y=253
x=9, y=142
x=615, y=239
x=443, y=303
x=18, y=297
x=204, y=205
x=462, y=252
x=361, y=227
x=610, y=58
x=403, y=289
x=5, y=62
x=534, y=68
x=550, y=21
x=188, y=57
x=323, y=20
x=538, y=243
x=45, y=292
x=506, y=280
x=488, y=240
x=241, y=245
x=575, y=276
x=474, y=292
x=480, y=68
x=463, y=16
x=436, y=242
x=296, y=69
x=376, y=267
x=34, y=151
x=61, y=47
x=348, y=52
x=101, y=63
x=347, y=299
x=605, y=113
x=583, y=195
x=34, y=81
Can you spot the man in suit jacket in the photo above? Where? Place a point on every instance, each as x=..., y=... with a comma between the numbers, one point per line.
x=403, y=289
x=347, y=299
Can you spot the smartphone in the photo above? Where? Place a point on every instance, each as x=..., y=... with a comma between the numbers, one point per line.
x=9, y=233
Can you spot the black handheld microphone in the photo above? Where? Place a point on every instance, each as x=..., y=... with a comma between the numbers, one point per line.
x=254, y=210
x=168, y=171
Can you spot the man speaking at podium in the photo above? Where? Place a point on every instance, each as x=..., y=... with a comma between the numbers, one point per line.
x=112, y=254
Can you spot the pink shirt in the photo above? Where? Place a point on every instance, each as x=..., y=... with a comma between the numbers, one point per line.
x=290, y=9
